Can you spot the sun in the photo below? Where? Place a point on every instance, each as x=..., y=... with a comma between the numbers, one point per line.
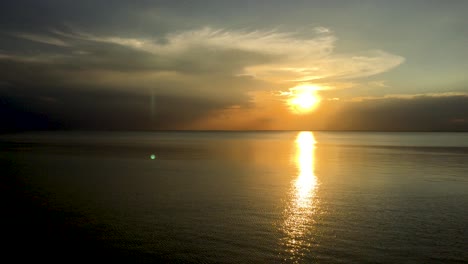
x=303, y=98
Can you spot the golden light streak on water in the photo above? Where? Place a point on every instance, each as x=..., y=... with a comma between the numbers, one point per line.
x=302, y=206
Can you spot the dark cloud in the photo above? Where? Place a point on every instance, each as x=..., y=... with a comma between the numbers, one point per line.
x=419, y=113
x=106, y=86
x=104, y=110
x=47, y=108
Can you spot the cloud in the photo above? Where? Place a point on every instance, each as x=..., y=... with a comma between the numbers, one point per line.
x=43, y=39
x=269, y=42
x=431, y=112
x=268, y=55
x=100, y=109
x=448, y=112
x=322, y=30
x=291, y=58
x=409, y=96
x=378, y=84
x=98, y=81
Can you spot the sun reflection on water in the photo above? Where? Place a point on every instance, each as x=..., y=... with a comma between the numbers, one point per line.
x=302, y=206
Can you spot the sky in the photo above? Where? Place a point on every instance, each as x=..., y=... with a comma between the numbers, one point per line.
x=233, y=65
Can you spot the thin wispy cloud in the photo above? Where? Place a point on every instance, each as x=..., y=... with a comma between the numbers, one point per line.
x=410, y=96
x=291, y=58
x=42, y=39
x=276, y=56
x=39, y=58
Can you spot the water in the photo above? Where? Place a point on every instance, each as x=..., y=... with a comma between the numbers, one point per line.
x=236, y=197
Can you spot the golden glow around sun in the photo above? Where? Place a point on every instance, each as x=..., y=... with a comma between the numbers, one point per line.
x=303, y=98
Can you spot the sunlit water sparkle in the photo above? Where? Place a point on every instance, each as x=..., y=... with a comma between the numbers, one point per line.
x=300, y=212
x=235, y=197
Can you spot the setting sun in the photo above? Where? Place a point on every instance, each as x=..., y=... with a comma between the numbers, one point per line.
x=303, y=98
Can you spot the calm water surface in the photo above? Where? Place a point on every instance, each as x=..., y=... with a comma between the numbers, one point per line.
x=237, y=197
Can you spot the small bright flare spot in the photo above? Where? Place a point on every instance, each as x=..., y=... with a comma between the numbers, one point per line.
x=303, y=98
x=153, y=156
